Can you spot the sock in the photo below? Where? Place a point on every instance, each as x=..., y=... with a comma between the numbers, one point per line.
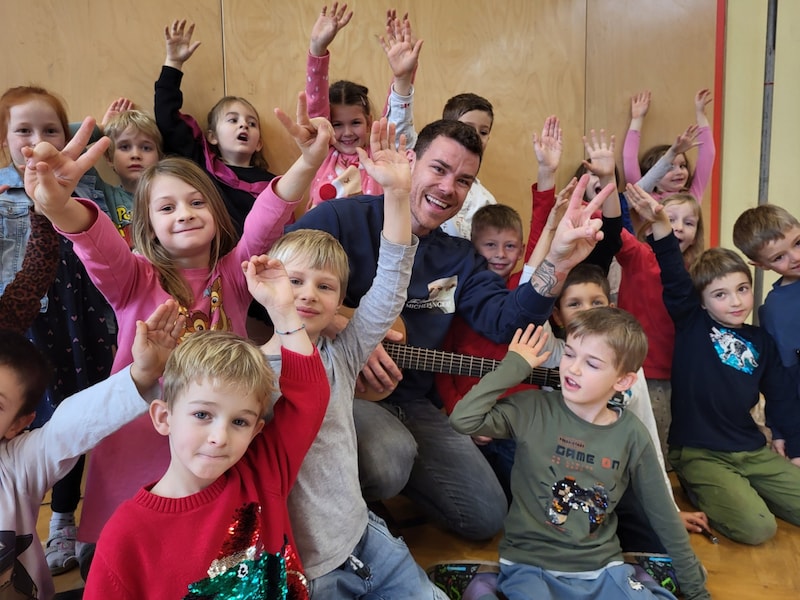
x=61, y=520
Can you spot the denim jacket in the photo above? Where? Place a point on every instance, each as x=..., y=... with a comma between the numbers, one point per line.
x=15, y=223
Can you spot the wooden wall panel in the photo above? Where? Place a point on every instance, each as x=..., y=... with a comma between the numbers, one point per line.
x=93, y=52
x=578, y=59
x=666, y=47
x=526, y=58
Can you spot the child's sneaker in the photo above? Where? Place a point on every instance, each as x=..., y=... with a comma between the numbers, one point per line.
x=658, y=566
x=60, y=550
x=453, y=578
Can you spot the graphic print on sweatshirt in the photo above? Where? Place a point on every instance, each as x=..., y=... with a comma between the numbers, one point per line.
x=441, y=296
x=734, y=351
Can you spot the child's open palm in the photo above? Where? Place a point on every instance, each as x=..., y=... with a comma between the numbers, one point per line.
x=327, y=26
x=401, y=47
x=640, y=104
x=388, y=164
x=601, y=154
x=51, y=175
x=643, y=203
x=155, y=340
x=180, y=46
x=548, y=146
x=687, y=140
x=529, y=344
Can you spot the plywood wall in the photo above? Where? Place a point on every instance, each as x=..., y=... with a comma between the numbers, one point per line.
x=579, y=59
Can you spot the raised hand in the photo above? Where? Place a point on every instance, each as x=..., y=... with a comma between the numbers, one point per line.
x=327, y=26
x=154, y=341
x=51, y=176
x=702, y=99
x=529, y=344
x=577, y=232
x=687, y=140
x=640, y=104
x=388, y=164
x=402, y=48
x=647, y=207
x=180, y=46
x=548, y=146
x=601, y=155
x=560, y=205
x=119, y=105
x=312, y=136
x=269, y=283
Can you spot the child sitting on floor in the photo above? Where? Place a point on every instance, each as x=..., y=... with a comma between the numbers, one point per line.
x=575, y=458
x=35, y=460
x=221, y=505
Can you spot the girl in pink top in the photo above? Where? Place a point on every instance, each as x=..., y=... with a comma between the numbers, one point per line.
x=680, y=178
x=347, y=106
x=188, y=251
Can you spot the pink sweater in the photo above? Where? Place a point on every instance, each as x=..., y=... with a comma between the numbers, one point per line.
x=136, y=455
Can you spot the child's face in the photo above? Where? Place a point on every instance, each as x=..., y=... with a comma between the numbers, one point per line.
x=592, y=188
x=588, y=374
x=481, y=122
x=782, y=255
x=676, y=179
x=181, y=221
x=683, y=218
x=32, y=122
x=500, y=247
x=317, y=295
x=12, y=395
x=729, y=299
x=210, y=427
x=351, y=127
x=577, y=298
x=237, y=134
x=134, y=151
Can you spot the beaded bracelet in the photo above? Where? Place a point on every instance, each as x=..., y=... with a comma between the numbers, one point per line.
x=291, y=331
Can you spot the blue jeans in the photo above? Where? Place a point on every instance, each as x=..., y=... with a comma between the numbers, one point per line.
x=380, y=568
x=412, y=447
x=521, y=582
x=500, y=456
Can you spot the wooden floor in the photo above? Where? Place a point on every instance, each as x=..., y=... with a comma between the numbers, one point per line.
x=735, y=571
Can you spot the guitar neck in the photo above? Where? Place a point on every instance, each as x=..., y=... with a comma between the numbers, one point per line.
x=439, y=361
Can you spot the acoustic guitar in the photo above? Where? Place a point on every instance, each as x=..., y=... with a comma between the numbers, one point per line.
x=440, y=361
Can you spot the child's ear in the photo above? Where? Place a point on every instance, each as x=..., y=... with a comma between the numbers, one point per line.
x=625, y=381
x=159, y=415
x=259, y=426
x=556, y=316
x=212, y=137
x=19, y=424
x=757, y=264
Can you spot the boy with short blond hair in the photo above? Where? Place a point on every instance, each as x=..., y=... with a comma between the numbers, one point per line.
x=348, y=552
x=770, y=237
x=221, y=506
x=720, y=367
x=32, y=461
x=575, y=457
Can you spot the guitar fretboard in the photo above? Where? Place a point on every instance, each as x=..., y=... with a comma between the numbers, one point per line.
x=439, y=361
